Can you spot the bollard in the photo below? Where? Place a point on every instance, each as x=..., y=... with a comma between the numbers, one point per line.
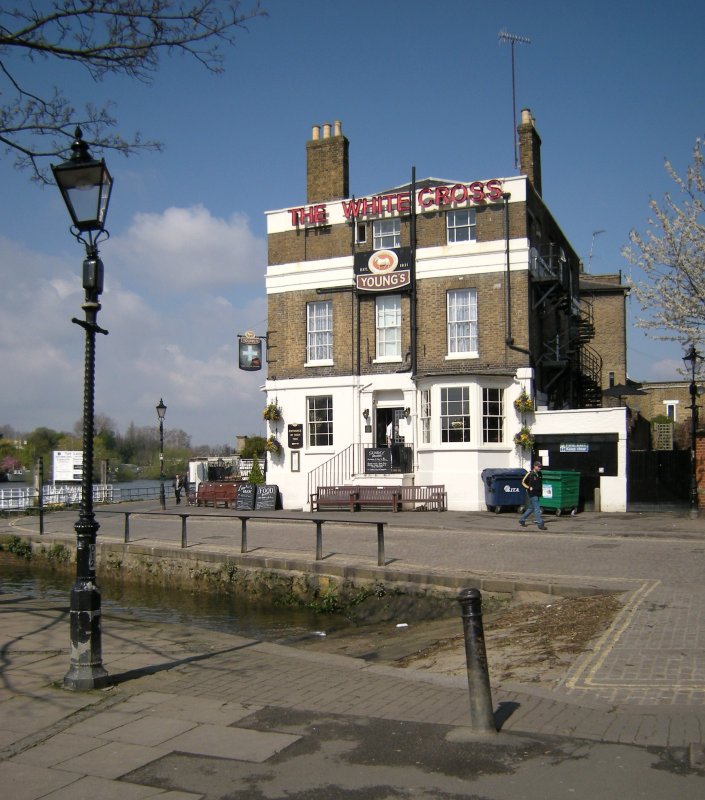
x=184, y=541
x=243, y=537
x=380, y=544
x=127, y=527
x=319, y=540
x=481, y=714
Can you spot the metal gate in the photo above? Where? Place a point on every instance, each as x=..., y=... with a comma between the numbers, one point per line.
x=658, y=479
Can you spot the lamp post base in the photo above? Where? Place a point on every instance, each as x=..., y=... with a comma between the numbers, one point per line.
x=86, y=671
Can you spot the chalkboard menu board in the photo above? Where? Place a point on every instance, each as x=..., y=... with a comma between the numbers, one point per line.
x=267, y=497
x=245, y=500
x=296, y=436
x=378, y=460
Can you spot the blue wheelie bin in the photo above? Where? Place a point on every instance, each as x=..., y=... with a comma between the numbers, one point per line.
x=503, y=489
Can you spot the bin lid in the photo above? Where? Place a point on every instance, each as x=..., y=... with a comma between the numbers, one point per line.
x=502, y=472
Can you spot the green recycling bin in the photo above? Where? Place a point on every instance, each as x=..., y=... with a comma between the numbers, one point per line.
x=561, y=490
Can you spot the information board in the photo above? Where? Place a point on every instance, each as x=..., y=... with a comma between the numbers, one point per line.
x=295, y=434
x=245, y=500
x=378, y=460
x=68, y=465
x=267, y=497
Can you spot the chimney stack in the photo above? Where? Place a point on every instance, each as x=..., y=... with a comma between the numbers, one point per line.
x=327, y=167
x=529, y=150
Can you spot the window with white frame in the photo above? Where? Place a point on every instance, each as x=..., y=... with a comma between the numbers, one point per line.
x=425, y=416
x=461, y=225
x=388, y=327
x=320, y=420
x=360, y=233
x=492, y=415
x=462, y=322
x=386, y=233
x=319, y=331
x=671, y=409
x=455, y=414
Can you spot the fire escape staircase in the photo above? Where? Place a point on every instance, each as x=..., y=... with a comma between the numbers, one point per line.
x=568, y=354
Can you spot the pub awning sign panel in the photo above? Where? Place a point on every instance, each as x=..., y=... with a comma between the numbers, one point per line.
x=250, y=351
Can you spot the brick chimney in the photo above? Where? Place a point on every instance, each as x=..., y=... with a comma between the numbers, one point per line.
x=529, y=150
x=327, y=168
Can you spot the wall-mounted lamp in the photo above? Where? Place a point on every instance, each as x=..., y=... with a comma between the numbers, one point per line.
x=366, y=413
x=407, y=412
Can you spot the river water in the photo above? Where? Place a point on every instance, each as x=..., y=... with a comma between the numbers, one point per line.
x=213, y=611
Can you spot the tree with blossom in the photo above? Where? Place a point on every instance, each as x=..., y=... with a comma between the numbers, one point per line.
x=671, y=254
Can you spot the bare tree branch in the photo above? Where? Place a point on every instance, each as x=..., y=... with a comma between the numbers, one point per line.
x=105, y=37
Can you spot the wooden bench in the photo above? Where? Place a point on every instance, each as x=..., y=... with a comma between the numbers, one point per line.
x=430, y=496
x=379, y=497
x=334, y=497
x=216, y=494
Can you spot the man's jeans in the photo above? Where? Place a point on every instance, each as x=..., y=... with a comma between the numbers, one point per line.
x=534, y=508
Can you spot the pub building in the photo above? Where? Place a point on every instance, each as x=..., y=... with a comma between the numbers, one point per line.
x=404, y=325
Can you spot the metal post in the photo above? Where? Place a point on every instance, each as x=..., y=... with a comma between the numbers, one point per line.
x=184, y=541
x=86, y=670
x=40, y=474
x=127, y=527
x=380, y=544
x=319, y=540
x=243, y=534
x=162, y=496
x=691, y=358
x=481, y=714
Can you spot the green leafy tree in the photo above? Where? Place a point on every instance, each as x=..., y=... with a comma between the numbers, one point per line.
x=104, y=37
x=253, y=446
x=256, y=475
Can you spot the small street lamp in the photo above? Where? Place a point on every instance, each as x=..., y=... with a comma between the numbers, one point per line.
x=85, y=186
x=161, y=413
x=690, y=360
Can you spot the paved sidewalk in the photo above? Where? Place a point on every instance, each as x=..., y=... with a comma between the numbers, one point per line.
x=196, y=714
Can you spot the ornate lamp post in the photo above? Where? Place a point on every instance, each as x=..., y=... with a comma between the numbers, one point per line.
x=85, y=186
x=161, y=413
x=690, y=359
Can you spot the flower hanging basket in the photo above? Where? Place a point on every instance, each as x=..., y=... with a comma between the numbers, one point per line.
x=272, y=413
x=272, y=445
x=524, y=439
x=524, y=404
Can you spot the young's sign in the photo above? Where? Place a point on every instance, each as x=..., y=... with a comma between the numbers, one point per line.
x=383, y=270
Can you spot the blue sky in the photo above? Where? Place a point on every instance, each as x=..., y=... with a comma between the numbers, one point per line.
x=614, y=87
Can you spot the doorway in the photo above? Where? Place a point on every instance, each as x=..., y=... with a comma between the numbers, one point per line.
x=386, y=417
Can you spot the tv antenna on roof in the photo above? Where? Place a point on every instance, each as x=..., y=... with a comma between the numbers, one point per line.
x=513, y=39
x=592, y=246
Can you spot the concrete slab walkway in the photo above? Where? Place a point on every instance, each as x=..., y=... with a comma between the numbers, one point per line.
x=191, y=713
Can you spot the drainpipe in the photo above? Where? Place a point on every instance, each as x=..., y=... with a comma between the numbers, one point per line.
x=412, y=296
x=509, y=340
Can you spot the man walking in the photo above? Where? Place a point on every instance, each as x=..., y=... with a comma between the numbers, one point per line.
x=533, y=483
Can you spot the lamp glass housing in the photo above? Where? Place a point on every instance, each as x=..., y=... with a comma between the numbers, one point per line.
x=85, y=184
x=161, y=409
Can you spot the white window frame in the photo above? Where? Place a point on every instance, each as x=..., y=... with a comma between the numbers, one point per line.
x=674, y=405
x=319, y=332
x=425, y=416
x=492, y=416
x=388, y=327
x=386, y=233
x=462, y=325
x=455, y=414
x=461, y=225
x=319, y=420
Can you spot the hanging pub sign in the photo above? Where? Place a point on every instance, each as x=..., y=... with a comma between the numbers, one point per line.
x=250, y=351
x=383, y=270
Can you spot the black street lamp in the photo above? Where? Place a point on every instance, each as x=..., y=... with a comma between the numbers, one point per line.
x=690, y=360
x=161, y=413
x=85, y=185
